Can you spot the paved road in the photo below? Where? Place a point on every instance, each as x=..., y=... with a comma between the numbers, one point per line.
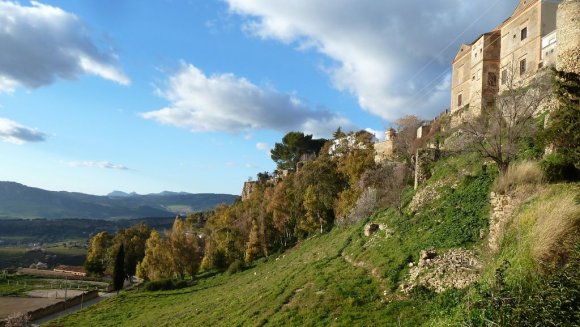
x=102, y=296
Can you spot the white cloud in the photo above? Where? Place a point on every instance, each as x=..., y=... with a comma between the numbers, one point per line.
x=233, y=104
x=12, y=132
x=263, y=146
x=393, y=56
x=41, y=43
x=380, y=135
x=97, y=164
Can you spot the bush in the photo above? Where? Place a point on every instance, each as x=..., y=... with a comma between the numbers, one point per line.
x=558, y=167
x=165, y=285
x=236, y=266
x=526, y=172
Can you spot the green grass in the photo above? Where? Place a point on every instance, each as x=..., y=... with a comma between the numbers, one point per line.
x=309, y=285
x=344, y=278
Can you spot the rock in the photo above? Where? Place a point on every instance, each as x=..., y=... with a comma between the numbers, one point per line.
x=370, y=228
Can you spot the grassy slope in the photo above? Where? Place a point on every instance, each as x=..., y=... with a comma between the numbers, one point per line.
x=343, y=277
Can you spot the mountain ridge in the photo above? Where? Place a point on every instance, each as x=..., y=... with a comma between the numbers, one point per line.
x=22, y=201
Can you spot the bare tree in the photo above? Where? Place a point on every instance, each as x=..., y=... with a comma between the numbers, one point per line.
x=500, y=128
x=406, y=135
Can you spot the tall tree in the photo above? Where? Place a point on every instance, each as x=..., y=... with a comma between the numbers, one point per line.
x=406, y=135
x=97, y=259
x=157, y=261
x=119, y=269
x=294, y=144
x=185, y=252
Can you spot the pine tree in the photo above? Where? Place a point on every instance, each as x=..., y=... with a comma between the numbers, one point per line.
x=119, y=270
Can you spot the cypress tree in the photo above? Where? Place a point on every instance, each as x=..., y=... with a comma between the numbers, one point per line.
x=119, y=270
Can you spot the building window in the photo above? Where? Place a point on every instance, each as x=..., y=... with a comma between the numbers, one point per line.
x=524, y=33
x=504, y=77
x=491, y=79
x=522, y=66
x=459, y=100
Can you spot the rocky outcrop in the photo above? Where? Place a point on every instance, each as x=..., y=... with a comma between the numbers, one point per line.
x=456, y=268
x=371, y=228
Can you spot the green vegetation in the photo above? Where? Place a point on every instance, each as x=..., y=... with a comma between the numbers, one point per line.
x=18, y=285
x=345, y=241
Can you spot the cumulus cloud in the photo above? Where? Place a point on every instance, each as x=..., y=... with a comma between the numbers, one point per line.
x=97, y=164
x=12, y=132
x=227, y=103
x=41, y=43
x=394, y=56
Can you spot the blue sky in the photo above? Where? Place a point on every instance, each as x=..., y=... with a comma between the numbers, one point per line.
x=146, y=96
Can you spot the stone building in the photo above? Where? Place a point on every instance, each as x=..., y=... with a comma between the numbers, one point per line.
x=521, y=40
x=510, y=54
x=475, y=74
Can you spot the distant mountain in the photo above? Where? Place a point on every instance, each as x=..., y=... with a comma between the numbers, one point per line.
x=21, y=201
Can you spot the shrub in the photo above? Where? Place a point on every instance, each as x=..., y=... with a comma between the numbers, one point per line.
x=559, y=167
x=236, y=267
x=523, y=173
x=165, y=285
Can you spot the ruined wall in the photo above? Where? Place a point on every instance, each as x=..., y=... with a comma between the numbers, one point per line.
x=384, y=151
x=568, y=35
x=502, y=208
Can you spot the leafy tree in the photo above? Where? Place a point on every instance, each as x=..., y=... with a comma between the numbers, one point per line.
x=286, y=208
x=157, y=261
x=354, y=158
x=185, y=249
x=322, y=184
x=133, y=240
x=119, y=269
x=253, y=247
x=562, y=132
x=294, y=144
x=225, y=240
x=97, y=257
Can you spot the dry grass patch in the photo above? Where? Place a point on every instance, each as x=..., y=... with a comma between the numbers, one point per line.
x=523, y=173
x=557, y=228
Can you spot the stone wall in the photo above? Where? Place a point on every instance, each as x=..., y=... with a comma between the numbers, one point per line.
x=384, y=151
x=502, y=208
x=59, y=306
x=568, y=36
x=423, y=158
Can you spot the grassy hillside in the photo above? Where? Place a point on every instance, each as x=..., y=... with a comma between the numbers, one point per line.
x=346, y=278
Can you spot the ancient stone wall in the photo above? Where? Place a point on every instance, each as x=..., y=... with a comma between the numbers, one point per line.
x=502, y=208
x=568, y=36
